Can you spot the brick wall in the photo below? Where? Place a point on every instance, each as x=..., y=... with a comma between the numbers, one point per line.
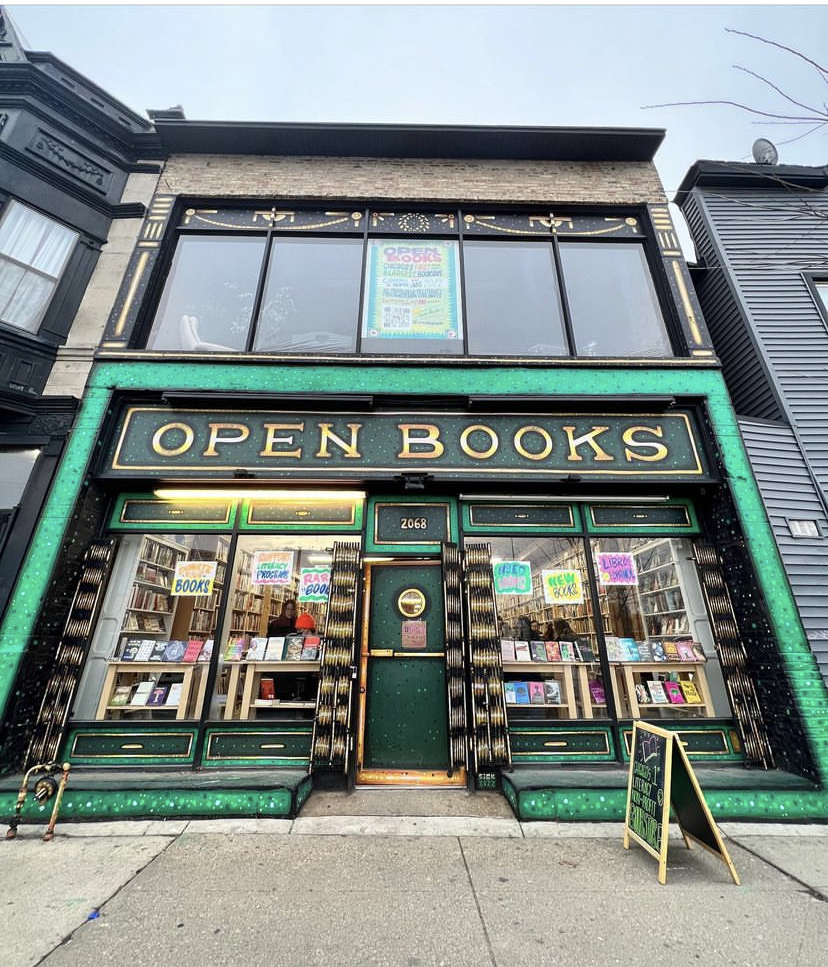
x=429, y=180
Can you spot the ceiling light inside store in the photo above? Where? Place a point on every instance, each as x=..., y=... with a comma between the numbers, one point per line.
x=527, y=499
x=272, y=496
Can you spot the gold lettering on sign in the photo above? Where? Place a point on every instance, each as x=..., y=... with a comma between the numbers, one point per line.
x=547, y=439
x=430, y=438
x=479, y=454
x=215, y=431
x=589, y=437
x=660, y=452
x=272, y=440
x=349, y=449
x=162, y=451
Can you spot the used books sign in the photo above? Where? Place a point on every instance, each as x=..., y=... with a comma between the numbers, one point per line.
x=662, y=778
x=187, y=442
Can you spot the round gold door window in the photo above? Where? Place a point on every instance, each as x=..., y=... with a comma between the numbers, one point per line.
x=411, y=603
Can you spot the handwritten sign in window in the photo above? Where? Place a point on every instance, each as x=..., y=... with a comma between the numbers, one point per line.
x=562, y=586
x=617, y=568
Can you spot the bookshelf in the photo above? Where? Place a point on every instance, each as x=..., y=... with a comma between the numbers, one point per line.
x=560, y=672
x=628, y=675
x=191, y=678
x=149, y=607
x=661, y=591
x=295, y=688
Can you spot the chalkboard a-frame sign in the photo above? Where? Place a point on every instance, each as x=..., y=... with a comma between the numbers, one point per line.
x=661, y=777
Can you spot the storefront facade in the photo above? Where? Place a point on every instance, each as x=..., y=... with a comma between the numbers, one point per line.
x=417, y=494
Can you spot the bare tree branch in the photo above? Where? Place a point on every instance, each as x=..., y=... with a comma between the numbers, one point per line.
x=815, y=110
x=744, y=107
x=790, y=50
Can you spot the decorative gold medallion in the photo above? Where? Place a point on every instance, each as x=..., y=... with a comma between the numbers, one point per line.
x=411, y=603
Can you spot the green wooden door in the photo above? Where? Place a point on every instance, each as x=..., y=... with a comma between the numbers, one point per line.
x=403, y=713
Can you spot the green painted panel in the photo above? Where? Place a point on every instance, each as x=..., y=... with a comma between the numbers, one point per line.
x=406, y=723
x=271, y=746
x=130, y=746
x=572, y=744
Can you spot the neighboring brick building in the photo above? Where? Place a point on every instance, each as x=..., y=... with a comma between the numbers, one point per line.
x=447, y=393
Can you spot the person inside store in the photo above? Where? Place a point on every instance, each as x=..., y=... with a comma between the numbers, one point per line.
x=283, y=623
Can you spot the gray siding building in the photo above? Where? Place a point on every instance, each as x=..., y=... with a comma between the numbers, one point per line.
x=761, y=234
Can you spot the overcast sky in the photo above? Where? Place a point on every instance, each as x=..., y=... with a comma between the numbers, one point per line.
x=488, y=64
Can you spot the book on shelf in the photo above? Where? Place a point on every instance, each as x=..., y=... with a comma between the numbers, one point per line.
x=193, y=650
x=657, y=694
x=567, y=650
x=130, y=649
x=235, y=648
x=596, y=691
x=690, y=692
x=536, y=693
x=142, y=692
x=507, y=649
x=658, y=651
x=642, y=696
x=207, y=650
x=685, y=651
x=310, y=648
x=670, y=650
x=509, y=693
x=522, y=651
x=553, y=651
x=267, y=688
x=521, y=693
x=275, y=649
x=537, y=649
x=157, y=695
x=645, y=650
x=121, y=695
x=674, y=693
x=552, y=691
x=257, y=649
x=158, y=649
x=174, y=694
x=615, y=650
x=630, y=647
x=174, y=650
x=146, y=649
x=586, y=649
x=293, y=647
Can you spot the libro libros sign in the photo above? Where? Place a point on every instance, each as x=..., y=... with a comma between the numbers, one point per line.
x=194, y=442
x=661, y=778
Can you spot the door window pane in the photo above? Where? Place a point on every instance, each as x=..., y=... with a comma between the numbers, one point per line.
x=34, y=251
x=208, y=297
x=512, y=300
x=612, y=301
x=311, y=299
x=412, y=297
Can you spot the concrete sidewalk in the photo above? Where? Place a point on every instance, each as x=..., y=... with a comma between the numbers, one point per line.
x=407, y=891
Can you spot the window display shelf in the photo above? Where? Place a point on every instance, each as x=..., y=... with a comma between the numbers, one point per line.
x=244, y=684
x=188, y=678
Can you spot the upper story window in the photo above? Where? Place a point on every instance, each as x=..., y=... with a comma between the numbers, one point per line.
x=34, y=251
x=426, y=284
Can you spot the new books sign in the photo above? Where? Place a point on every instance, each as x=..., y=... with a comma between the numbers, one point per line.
x=190, y=442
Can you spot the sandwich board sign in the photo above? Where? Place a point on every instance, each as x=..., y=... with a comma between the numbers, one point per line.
x=662, y=778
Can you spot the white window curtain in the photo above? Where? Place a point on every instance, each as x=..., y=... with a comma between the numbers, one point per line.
x=34, y=251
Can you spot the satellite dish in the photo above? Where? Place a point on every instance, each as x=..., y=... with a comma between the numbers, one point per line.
x=764, y=152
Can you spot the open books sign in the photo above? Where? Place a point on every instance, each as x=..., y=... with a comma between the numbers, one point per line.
x=562, y=586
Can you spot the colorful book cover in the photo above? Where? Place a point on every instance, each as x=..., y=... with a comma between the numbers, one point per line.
x=645, y=650
x=630, y=647
x=670, y=651
x=275, y=649
x=121, y=695
x=522, y=652
x=657, y=693
x=310, y=648
x=293, y=647
x=146, y=649
x=596, y=691
x=174, y=694
x=538, y=651
x=521, y=693
x=553, y=651
x=157, y=695
x=234, y=649
x=130, y=649
x=615, y=650
x=536, y=693
x=567, y=650
x=142, y=693
x=552, y=691
x=685, y=651
x=175, y=650
x=257, y=649
x=658, y=651
x=158, y=651
x=642, y=696
x=509, y=693
x=267, y=689
x=507, y=649
x=690, y=692
x=674, y=693
x=207, y=650
x=194, y=646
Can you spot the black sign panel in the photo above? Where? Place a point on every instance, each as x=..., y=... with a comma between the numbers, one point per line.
x=404, y=523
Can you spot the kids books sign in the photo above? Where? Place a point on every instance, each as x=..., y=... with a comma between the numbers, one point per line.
x=314, y=584
x=193, y=578
x=617, y=569
x=662, y=778
x=272, y=567
x=512, y=577
x=562, y=586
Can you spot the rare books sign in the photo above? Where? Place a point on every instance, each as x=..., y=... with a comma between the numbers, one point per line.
x=195, y=442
